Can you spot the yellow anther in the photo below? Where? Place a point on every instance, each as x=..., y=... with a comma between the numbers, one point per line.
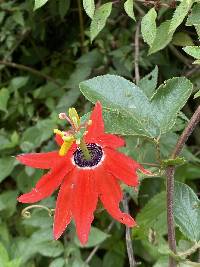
x=65, y=147
x=90, y=122
x=74, y=117
x=56, y=131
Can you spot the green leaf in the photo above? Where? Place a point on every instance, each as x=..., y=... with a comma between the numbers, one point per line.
x=149, y=82
x=4, y=96
x=39, y=218
x=23, y=248
x=182, y=39
x=4, y=232
x=197, y=28
x=194, y=18
x=63, y=7
x=161, y=40
x=128, y=7
x=14, y=263
x=89, y=7
x=6, y=167
x=83, y=69
x=96, y=237
x=5, y=143
x=119, y=95
x=187, y=172
x=148, y=26
x=173, y=162
x=162, y=262
x=59, y=262
x=39, y=3
x=171, y=96
x=18, y=82
x=113, y=259
x=8, y=201
x=35, y=135
x=78, y=263
x=149, y=118
x=179, y=14
x=196, y=62
x=42, y=235
x=187, y=211
x=4, y=259
x=152, y=217
x=25, y=183
x=197, y=94
x=18, y=17
x=121, y=124
x=99, y=19
x=51, y=248
x=193, y=51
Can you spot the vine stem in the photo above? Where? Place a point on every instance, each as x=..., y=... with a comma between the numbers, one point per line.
x=81, y=25
x=137, y=51
x=170, y=182
x=29, y=69
x=129, y=245
x=95, y=249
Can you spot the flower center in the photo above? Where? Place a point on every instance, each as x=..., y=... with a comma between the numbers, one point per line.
x=96, y=154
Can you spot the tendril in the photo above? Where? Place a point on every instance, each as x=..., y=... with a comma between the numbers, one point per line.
x=27, y=214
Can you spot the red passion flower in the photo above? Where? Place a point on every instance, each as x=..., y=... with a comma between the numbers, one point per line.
x=83, y=180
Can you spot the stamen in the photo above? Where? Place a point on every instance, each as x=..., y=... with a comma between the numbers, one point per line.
x=77, y=133
x=63, y=116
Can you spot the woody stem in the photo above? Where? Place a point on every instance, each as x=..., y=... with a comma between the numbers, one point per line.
x=170, y=182
x=84, y=149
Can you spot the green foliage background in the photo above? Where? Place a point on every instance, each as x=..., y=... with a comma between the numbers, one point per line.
x=44, y=55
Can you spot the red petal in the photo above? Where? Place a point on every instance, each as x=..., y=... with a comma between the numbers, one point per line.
x=111, y=195
x=109, y=140
x=39, y=160
x=122, y=167
x=47, y=184
x=58, y=139
x=97, y=127
x=84, y=204
x=63, y=205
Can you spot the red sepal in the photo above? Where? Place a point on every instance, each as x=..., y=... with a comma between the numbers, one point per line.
x=63, y=212
x=111, y=195
x=97, y=127
x=84, y=204
x=108, y=140
x=122, y=167
x=47, y=184
x=39, y=160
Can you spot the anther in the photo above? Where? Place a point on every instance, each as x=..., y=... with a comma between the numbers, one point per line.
x=56, y=131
